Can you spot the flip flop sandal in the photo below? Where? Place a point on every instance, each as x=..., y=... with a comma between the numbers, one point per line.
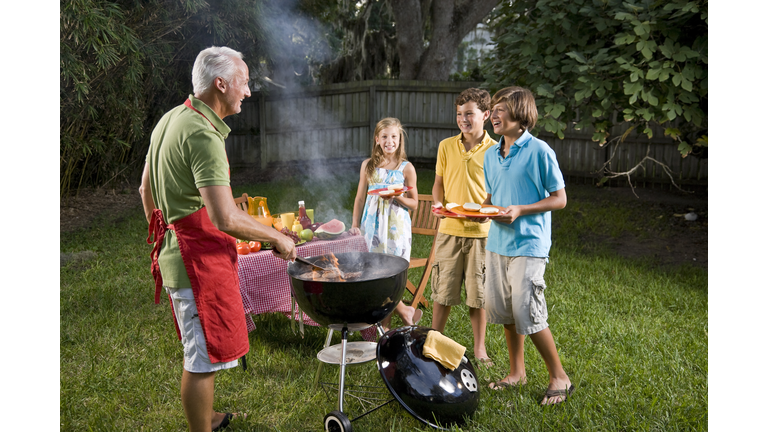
x=561, y=393
x=502, y=385
x=225, y=423
x=485, y=361
x=499, y=386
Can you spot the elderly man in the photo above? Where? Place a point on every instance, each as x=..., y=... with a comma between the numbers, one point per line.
x=188, y=203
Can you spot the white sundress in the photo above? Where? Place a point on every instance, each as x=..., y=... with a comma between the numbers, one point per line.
x=386, y=225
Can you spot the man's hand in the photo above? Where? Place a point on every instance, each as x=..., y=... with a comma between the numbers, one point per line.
x=286, y=247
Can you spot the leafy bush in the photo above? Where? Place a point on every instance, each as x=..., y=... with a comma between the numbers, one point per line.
x=593, y=59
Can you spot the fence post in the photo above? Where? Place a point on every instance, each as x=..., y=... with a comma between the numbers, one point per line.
x=262, y=129
x=372, y=109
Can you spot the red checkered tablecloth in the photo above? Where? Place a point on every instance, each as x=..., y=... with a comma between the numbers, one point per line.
x=264, y=282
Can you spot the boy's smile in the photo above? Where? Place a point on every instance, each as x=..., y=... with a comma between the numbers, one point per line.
x=470, y=119
x=503, y=124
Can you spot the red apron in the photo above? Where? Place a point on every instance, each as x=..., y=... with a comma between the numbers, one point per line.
x=210, y=259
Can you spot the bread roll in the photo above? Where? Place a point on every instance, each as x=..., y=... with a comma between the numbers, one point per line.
x=471, y=206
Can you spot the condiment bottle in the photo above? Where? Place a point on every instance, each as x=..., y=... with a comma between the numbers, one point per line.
x=303, y=218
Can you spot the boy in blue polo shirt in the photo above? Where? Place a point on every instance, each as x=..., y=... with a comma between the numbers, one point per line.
x=522, y=174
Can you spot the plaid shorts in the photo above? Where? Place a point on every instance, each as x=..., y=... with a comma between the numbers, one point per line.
x=192, y=338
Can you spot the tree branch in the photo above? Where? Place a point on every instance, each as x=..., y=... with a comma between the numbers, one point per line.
x=468, y=13
x=613, y=174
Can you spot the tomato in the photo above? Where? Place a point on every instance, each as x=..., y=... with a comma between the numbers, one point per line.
x=255, y=246
x=243, y=249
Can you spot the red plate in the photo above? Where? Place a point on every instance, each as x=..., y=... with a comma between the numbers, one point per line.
x=449, y=214
x=476, y=214
x=399, y=192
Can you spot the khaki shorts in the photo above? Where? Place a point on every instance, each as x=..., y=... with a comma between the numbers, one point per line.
x=196, y=358
x=457, y=260
x=514, y=292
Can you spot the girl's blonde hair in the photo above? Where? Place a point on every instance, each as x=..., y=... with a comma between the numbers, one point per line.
x=377, y=154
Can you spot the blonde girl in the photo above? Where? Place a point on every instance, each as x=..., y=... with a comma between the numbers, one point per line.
x=384, y=221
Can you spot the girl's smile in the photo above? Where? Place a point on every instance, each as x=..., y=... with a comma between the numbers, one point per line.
x=389, y=140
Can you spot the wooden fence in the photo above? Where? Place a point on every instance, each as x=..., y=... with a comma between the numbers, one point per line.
x=336, y=122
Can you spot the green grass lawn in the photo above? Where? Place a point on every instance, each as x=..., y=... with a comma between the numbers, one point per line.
x=632, y=335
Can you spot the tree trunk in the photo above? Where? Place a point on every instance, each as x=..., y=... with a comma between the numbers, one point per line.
x=409, y=23
x=451, y=20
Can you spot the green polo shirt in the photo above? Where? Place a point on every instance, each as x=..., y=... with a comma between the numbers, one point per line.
x=463, y=181
x=186, y=152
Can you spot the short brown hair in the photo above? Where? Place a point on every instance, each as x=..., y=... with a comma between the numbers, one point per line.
x=520, y=104
x=479, y=96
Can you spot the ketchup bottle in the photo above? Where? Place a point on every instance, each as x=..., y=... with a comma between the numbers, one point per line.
x=303, y=218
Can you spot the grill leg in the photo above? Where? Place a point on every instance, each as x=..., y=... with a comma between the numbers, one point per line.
x=343, y=362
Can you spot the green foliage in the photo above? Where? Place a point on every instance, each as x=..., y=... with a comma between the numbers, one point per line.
x=606, y=62
x=123, y=64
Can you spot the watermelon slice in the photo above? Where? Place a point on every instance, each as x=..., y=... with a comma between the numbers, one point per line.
x=330, y=230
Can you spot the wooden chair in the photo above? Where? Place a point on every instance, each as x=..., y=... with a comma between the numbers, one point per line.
x=242, y=202
x=423, y=222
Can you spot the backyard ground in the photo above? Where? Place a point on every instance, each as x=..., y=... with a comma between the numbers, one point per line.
x=682, y=241
x=638, y=355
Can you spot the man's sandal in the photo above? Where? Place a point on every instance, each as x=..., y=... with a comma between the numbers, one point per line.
x=564, y=394
x=225, y=422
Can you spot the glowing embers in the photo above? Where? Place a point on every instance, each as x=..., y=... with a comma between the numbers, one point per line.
x=332, y=272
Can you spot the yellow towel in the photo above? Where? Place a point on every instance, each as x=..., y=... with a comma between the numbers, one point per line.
x=443, y=349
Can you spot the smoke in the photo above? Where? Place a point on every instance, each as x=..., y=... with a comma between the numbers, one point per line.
x=296, y=43
x=310, y=130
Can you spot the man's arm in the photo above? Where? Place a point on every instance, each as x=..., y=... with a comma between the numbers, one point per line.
x=239, y=224
x=146, y=194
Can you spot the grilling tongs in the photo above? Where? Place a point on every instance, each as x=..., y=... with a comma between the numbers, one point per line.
x=335, y=270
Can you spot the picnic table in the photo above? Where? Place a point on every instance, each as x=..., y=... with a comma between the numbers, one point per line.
x=264, y=282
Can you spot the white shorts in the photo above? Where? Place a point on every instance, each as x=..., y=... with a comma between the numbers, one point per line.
x=514, y=292
x=192, y=338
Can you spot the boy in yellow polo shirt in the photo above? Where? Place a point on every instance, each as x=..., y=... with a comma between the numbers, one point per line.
x=460, y=251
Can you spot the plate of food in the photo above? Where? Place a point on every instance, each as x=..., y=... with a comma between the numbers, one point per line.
x=474, y=210
x=392, y=190
x=446, y=211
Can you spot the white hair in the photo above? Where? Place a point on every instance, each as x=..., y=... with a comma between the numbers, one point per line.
x=212, y=63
